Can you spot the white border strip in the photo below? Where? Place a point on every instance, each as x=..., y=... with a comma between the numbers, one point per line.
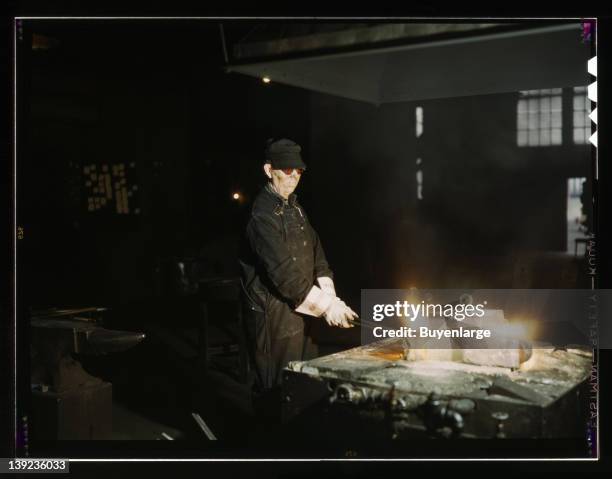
x=497, y=459
x=14, y=398
x=437, y=19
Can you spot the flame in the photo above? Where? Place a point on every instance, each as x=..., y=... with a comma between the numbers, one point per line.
x=523, y=328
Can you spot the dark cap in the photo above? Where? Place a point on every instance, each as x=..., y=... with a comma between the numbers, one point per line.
x=284, y=154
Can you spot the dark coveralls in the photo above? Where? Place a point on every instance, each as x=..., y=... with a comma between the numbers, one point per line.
x=281, y=260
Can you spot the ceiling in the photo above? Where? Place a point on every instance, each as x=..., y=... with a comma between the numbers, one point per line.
x=391, y=63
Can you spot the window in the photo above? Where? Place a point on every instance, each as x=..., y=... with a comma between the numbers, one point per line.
x=539, y=117
x=419, y=121
x=419, y=180
x=418, y=133
x=576, y=221
x=582, y=109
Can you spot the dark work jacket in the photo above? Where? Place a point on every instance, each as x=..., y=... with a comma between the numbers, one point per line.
x=281, y=260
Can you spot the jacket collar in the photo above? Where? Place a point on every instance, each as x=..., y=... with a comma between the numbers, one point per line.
x=292, y=197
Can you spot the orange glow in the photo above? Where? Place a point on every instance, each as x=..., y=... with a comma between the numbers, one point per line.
x=524, y=328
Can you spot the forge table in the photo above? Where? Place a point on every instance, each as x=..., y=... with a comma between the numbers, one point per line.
x=375, y=390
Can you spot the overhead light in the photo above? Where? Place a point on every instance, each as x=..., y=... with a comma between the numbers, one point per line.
x=236, y=196
x=266, y=79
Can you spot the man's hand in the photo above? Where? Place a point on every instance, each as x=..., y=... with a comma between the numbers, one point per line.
x=338, y=314
x=327, y=285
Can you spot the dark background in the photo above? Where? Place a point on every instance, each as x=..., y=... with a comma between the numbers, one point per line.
x=154, y=93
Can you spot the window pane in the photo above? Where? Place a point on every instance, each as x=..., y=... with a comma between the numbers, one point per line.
x=578, y=135
x=539, y=119
x=419, y=114
x=578, y=102
x=578, y=119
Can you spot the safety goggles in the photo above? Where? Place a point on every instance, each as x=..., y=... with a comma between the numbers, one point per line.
x=289, y=171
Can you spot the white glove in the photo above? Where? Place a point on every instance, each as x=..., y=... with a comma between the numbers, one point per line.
x=316, y=302
x=327, y=285
x=321, y=303
x=339, y=314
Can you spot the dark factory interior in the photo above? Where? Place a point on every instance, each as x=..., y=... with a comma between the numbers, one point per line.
x=450, y=155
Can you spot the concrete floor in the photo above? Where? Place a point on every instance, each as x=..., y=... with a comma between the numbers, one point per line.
x=156, y=389
x=129, y=425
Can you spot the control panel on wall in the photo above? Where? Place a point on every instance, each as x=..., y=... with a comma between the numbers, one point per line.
x=111, y=188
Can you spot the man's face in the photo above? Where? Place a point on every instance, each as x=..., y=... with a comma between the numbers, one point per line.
x=284, y=183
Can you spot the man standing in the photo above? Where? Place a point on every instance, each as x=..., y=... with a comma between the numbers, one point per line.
x=285, y=277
